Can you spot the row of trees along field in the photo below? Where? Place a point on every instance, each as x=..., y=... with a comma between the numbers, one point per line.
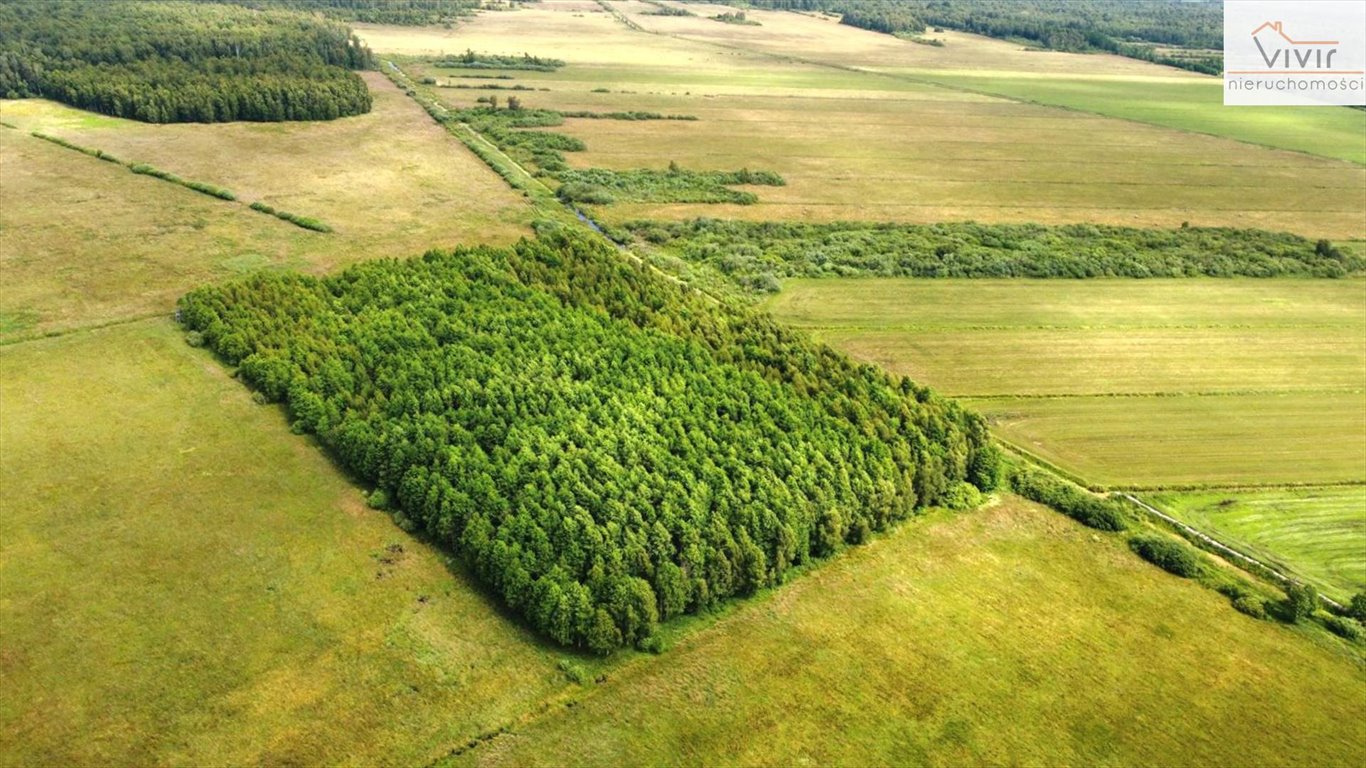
x=182, y=61
x=400, y=12
x=756, y=254
x=606, y=448
x=1134, y=28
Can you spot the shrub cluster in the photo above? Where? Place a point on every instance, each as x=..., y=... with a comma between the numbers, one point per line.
x=746, y=250
x=675, y=185
x=182, y=61
x=1168, y=554
x=1071, y=500
x=605, y=447
x=293, y=218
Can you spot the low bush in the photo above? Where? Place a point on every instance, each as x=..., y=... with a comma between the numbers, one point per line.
x=963, y=496
x=1069, y=499
x=1343, y=627
x=579, y=192
x=1168, y=554
x=1250, y=605
x=573, y=672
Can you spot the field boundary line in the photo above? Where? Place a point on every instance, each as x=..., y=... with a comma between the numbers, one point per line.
x=1239, y=487
x=1223, y=549
x=1161, y=394
x=203, y=188
x=57, y=334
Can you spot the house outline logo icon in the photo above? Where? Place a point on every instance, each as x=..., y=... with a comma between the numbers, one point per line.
x=1288, y=59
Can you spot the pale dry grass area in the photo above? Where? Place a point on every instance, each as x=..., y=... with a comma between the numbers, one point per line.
x=860, y=145
x=1104, y=84
x=88, y=242
x=824, y=39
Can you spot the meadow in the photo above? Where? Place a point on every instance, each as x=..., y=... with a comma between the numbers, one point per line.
x=182, y=580
x=1315, y=533
x=1101, y=84
x=855, y=144
x=1009, y=635
x=1134, y=383
x=123, y=245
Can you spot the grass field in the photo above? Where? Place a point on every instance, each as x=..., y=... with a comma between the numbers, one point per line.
x=853, y=144
x=1224, y=381
x=1214, y=440
x=182, y=581
x=1319, y=534
x=1099, y=83
x=87, y=242
x=1007, y=636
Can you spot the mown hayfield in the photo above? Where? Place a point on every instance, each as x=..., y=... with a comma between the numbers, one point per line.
x=1006, y=636
x=182, y=581
x=1223, y=381
x=1190, y=440
x=87, y=242
x=854, y=144
x=1319, y=534
x=1100, y=83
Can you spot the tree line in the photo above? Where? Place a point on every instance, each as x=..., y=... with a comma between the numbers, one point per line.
x=757, y=254
x=605, y=448
x=182, y=61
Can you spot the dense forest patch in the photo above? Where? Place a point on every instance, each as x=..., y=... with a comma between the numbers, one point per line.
x=169, y=62
x=606, y=449
x=755, y=254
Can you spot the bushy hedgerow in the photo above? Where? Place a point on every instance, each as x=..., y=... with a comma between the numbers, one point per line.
x=1168, y=554
x=1343, y=627
x=198, y=186
x=300, y=221
x=1071, y=500
x=472, y=60
x=675, y=185
x=744, y=249
x=606, y=448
